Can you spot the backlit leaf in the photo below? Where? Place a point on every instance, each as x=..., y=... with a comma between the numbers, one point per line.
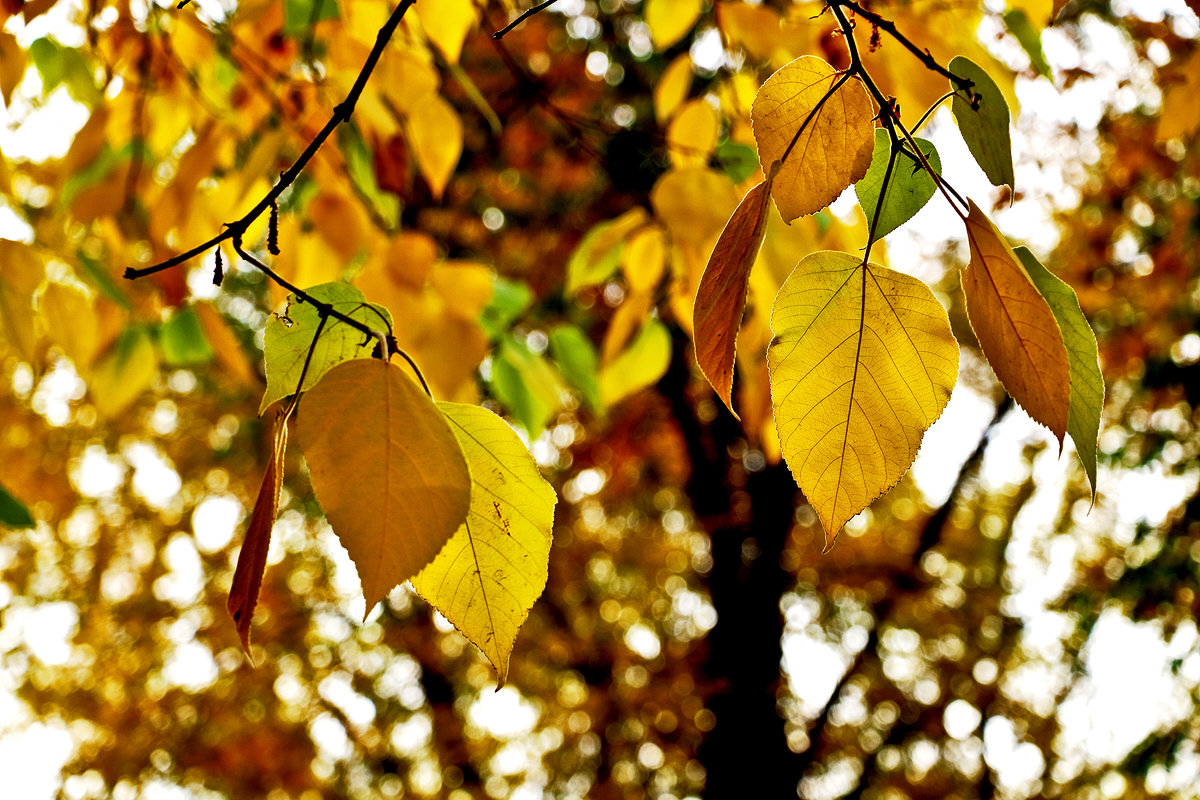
x=1030, y=39
x=672, y=88
x=1015, y=326
x=252, y=559
x=597, y=255
x=984, y=129
x=831, y=152
x=721, y=298
x=22, y=272
x=669, y=20
x=447, y=23
x=639, y=365
x=692, y=134
x=435, y=132
x=70, y=317
x=644, y=259
x=1083, y=359
x=182, y=340
x=123, y=373
x=862, y=363
x=909, y=187
x=576, y=358
x=13, y=513
x=494, y=567
x=694, y=203
x=290, y=335
x=386, y=469
x=526, y=384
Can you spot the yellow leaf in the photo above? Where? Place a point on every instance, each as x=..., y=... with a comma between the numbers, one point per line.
x=862, y=363
x=669, y=20
x=834, y=148
x=436, y=135
x=1015, y=326
x=1039, y=12
x=123, y=373
x=672, y=87
x=407, y=79
x=447, y=23
x=386, y=469
x=71, y=322
x=627, y=320
x=643, y=260
x=598, y=253
x=721, y=298
x=754, y=28
x=12, y=65
x=692, y=135
x=694, y=203
x=493, y=569
x=21, y=272
x=466, y=287
x=1180, y=117
x=639, y=365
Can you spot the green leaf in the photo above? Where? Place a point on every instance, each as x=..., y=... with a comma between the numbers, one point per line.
x=99, y=277
x=1083, y=360
x=13, y=512
x=299, y=15
x=494, y=567
x=909, y=187
x=387, y=470
x=599, y=252
x=639, y=365
x=1024, y=31
x=182, y=340
x=286, y=345
x=526, y=384
x=739, y=161
x=576, y=358
x=508, y=303
x=984, y=129
x=361, y=167
x=60, y=65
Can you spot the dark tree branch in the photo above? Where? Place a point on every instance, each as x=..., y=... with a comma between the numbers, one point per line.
x=524, y=16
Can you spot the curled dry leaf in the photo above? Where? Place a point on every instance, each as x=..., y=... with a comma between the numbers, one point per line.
x=252, y=560
x=862, y=363
x=1015, y=326
x=721, y=299
x=386, y=469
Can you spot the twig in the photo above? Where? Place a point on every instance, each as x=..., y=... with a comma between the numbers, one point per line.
x=526, y=15
x=341, y=113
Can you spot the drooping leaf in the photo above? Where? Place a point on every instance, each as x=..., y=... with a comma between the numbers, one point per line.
x=597, y=255
x=1029, y=38
x=669, y=20
x=576, y=359
x=721, y=299
x=494, y=567
x=13, y=512
x=447, y=24
x=290, y=335
x=909, y=187
x=123, y=373
x=831, y=152
x=984, y=129
x=862, y=363
x=182, y=340
x=672, y=88
x=526, y=384
x=637, y=366
x=71, y=323
x=252, y=559
x=386, y=469
x=436, y=134
x=1015, y=326
x=644, y=259
x=1083, y=359
x=692, y=134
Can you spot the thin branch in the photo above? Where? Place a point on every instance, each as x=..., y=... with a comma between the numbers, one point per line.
x=341, y=113
x=526, y=15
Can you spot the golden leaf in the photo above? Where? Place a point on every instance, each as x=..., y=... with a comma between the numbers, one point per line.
x=694, y=203
x=1015, y=326
x=644, y=259
x=672, y=88
x=436, y=135
x=692, y=134
x=639, y=365
x=70, y=317
x=123, y=373
x=834, y=148
x=493, y=569
x=862, y=363
x=386, y=469
x=721, y=298
x=447, y=23
x=669, y=20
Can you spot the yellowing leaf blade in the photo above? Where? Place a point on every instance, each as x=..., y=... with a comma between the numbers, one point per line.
x=637, y=366
x=721, y=299
x=1083, y=358
x=862, y=363
x=386, y=469
x=834, y=148
x=669, y=20
x=1015, y=326
x=692, y=134
x=597, y=255
x=494, y=567
x=435, y=132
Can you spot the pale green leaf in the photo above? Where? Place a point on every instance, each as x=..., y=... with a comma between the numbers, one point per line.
x=909, y=187
x=984, y=129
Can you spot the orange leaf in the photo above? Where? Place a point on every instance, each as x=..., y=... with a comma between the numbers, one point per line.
x=1015, y=326
x=252, y=560
x=721, y=298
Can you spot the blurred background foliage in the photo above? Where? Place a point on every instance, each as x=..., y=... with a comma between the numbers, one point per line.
x=983, y=630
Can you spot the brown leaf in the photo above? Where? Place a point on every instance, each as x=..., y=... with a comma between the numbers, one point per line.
x=721, y=298
x=1015, y=326
x=252, y=560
